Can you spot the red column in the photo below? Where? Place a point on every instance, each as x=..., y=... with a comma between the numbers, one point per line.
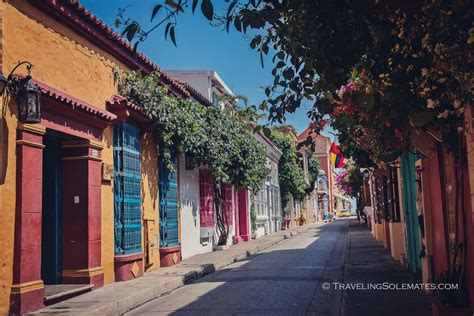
x=82, y=213
x=27, y=291
x=244, y=214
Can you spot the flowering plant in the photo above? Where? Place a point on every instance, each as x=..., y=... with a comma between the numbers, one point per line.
x=350, y=181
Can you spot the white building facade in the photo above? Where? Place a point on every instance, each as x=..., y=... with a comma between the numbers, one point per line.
x=206, y=82
x=266, y=203
x=197, y=210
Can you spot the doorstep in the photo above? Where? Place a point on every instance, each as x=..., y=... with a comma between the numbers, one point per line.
x=55, y=293
x=120, y=297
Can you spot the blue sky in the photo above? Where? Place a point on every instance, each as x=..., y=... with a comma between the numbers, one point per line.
x=201, y=46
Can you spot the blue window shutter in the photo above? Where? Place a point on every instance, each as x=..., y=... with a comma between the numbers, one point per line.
x=127, y=189
x=168, y=197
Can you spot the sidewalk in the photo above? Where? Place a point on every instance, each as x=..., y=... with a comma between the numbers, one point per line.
x=120, y=297
x=368, y=262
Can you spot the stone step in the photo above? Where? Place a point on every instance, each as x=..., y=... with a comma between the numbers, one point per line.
x=55, y=293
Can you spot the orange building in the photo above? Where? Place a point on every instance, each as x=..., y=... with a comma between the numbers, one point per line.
x=322, y=144
x=61, y=184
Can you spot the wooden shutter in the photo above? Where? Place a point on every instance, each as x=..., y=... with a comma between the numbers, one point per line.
x=227, y=203
x=127, y=190
x=206, y=192
x=168, y=197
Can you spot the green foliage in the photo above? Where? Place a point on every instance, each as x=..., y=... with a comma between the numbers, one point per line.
x=407, y=60
x=232, y=153
x=313, y=172
x=290, y=173
x=179, y=124
x=221, y=139
x=253, y=219
x=218, y=138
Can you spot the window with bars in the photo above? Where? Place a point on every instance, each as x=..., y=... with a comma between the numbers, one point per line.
x=168, y=197
x=260, y=202
x=127, y=190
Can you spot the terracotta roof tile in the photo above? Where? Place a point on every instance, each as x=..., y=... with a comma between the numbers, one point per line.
x=74, y=103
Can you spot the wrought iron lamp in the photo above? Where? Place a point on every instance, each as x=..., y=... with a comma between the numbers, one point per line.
x=28, y=94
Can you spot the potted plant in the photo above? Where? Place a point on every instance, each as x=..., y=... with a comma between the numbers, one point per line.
x=287, y=219
x=253, y=223
x=302, y=220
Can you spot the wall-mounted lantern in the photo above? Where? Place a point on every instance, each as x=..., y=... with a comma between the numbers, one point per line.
x=27, y=93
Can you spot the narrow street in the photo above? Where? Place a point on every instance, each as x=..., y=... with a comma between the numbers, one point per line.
x=288, y=279
x=284, y=279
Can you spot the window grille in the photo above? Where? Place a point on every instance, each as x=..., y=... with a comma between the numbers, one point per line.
x=168, y=196
x=127, y=189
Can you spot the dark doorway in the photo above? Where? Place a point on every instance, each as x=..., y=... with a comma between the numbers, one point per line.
x=51, y=257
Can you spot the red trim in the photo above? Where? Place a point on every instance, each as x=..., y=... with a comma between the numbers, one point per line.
x=65, y=113
x=237, y=238
x=23, y=303
x=130, y=257
x=28, y=223
x=125, y=110
x=123, y=265
x=65, y=103
x=170, y=256
x=74, y=103
x=170, y=249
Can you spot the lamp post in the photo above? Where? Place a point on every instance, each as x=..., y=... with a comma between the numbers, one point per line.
x=27, y=93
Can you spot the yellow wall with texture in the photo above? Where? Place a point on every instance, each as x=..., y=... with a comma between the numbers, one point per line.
x=68, y=62
x=150, y=232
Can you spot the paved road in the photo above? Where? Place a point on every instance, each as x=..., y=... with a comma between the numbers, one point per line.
x=283, y=280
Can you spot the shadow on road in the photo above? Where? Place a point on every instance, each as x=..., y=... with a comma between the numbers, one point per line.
x=291, y=277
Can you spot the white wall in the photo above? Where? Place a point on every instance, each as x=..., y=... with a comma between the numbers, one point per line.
x=191, y=243
x=200, y=83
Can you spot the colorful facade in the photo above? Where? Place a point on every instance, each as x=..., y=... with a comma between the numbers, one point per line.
x=324, y=196
x=84, y=197
x=79, y=191
x=419, y=206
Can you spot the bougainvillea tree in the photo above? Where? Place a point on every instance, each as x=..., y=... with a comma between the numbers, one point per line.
x=350, y=181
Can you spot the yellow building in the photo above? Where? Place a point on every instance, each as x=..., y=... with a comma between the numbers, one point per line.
x=59, y=185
